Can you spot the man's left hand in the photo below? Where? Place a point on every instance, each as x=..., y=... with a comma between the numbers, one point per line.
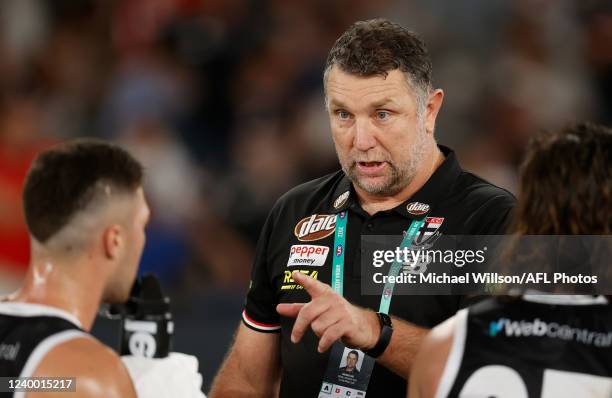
x=331, y=317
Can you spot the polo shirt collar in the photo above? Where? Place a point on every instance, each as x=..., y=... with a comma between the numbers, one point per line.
x=431, y=193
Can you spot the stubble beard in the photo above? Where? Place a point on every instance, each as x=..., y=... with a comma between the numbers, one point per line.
x=400, y=175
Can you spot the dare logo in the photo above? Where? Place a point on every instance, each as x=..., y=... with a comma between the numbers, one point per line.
x=417, y=208
x=315, y=227
x=342, y=199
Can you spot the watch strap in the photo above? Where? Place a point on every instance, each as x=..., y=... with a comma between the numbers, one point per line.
x=386, y=330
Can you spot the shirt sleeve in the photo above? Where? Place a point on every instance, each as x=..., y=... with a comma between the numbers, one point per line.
x=259, y=311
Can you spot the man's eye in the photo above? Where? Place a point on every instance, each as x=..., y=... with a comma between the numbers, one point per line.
x=343, y=115
x=382, y=115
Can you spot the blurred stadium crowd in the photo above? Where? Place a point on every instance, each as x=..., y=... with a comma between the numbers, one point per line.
x=222, y=101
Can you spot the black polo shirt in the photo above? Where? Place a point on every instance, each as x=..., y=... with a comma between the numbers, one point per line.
x=299, y=235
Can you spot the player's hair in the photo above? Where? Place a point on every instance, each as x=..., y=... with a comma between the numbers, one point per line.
x=353, y=352
x=378, y=46
x=64, y=179
x=566, y=183
x=566, y=188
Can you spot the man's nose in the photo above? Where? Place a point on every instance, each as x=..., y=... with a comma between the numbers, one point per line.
x=365, y=134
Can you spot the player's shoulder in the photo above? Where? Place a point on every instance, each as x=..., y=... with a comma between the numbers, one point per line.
x=430, y=362
x=317, y=193
x=98, y=370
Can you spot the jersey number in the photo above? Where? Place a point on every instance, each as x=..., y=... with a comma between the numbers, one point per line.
x=497, y=381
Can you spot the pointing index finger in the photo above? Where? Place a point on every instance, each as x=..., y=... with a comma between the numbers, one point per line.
x=312, y=286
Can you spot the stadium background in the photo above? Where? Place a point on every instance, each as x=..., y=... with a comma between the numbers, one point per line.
x=222, y=101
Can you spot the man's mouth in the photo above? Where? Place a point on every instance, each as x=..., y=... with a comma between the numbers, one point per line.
x=370, y=167
x=369, y=164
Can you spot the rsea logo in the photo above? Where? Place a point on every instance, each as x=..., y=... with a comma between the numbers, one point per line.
x=289, y=283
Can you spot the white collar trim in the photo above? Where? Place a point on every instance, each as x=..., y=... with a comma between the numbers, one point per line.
x=564, y=299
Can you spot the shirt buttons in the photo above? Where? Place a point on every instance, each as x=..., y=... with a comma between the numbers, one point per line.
x=370, y=226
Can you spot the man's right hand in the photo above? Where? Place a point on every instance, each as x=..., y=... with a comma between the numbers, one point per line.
x=330, y=316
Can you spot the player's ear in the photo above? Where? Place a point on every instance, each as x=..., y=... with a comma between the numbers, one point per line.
x=434, y=103
x=113, y=241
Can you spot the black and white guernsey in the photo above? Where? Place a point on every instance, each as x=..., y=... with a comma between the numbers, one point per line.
x=27, y=333
x=535, y=347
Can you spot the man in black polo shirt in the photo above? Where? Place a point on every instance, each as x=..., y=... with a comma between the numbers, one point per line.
x=394, y=180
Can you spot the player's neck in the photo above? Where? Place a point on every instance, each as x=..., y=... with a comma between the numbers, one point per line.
x=50, y=283
x=372, y=204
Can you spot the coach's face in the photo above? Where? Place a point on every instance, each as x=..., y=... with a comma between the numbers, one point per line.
x=380, y=137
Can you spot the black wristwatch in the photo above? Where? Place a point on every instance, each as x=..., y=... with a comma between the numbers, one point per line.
x=386, y=330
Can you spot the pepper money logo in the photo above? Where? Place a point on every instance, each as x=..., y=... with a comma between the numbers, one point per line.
x=310, y=255
x=315, y=227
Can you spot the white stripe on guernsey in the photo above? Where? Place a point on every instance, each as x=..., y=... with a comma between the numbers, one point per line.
x=455, y=356
x=31, y=310
x=258, y=326
x=565, y=299
x=43, y=348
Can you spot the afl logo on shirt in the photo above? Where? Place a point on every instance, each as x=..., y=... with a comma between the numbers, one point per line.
x=315, y=227
x=417, y=208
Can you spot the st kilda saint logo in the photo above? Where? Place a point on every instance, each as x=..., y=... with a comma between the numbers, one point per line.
x=429, y=232
x=315, y=227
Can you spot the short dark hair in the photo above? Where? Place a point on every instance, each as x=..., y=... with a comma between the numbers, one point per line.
x=378, y=46
x=566, y=183
x=353, y=352
x=62, y=181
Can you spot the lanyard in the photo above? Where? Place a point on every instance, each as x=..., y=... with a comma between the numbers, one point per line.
x=338, y=263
